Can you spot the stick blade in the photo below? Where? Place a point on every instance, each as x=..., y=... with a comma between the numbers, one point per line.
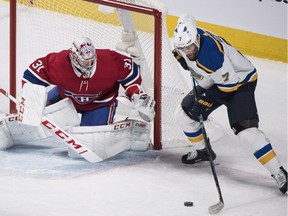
x=214, y=209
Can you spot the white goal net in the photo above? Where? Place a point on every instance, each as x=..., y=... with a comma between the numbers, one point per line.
x=45, y=26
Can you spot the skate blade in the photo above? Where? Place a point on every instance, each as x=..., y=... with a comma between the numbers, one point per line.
x=203, y=163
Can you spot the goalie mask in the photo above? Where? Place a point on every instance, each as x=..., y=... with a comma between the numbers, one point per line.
x=83, y=57
x=186, y=38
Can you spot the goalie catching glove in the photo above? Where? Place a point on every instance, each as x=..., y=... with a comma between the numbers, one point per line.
x=144, y=104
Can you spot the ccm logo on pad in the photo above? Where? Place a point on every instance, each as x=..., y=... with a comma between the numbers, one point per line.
x=121, y=126
x=62, y=135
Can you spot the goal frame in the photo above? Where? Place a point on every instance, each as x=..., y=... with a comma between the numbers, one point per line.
x=157, y=141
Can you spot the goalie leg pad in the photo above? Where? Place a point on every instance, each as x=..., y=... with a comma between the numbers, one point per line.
x=110, y=140
x=12, y=132
x=33, y=101
x=6, y=140
x=104, y=140
x=140, y=136
x=63, y=113
x=23, y=134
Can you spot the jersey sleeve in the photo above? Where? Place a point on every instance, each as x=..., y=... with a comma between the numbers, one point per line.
x=130, y=75
x=226, y=66
x=37, y=72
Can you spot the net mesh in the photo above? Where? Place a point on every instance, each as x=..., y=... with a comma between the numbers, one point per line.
x=45, y=26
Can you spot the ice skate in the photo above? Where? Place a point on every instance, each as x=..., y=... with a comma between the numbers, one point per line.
x=197, y=156
x=281, y=179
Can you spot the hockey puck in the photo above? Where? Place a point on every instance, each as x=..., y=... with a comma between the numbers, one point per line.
x=188, y=204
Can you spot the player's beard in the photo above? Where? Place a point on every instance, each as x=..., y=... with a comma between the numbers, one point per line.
x=192, y=56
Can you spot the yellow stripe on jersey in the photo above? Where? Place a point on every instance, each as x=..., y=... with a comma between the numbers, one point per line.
x=251, y=77
x=219, y=45
x=230, y=89
x=203, y=67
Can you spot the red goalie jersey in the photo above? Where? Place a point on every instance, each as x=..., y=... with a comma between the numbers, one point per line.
x=100, y=89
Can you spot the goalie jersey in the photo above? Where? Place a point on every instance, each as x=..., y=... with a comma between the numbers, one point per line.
x=112, y=70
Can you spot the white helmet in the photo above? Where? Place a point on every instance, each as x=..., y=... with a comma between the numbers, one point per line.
x=185, y=32
x=187, y=18
x=83, y=57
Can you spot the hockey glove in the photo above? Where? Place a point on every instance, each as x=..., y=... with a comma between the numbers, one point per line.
x=200, y=107
x=180, y=59
x=144, y=104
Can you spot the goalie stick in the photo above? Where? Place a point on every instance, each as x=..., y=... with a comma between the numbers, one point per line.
x=61, y=135
x=214, y=209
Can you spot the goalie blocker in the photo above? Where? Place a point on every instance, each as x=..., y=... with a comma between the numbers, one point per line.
x=106, y=141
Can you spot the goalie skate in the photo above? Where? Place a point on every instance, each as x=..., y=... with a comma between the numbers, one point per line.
x=197, y=156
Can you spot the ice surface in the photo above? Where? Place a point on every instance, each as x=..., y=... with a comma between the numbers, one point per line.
x=36, y=180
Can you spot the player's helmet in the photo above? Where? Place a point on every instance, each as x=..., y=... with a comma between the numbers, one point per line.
x=83, y=57
x=186, y=33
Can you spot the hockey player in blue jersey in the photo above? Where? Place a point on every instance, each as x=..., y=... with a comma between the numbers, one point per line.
x=224, y=77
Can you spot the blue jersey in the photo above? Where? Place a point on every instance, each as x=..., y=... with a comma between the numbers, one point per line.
x=220, y=64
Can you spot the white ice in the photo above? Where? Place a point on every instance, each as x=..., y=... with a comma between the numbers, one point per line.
x=44, y=181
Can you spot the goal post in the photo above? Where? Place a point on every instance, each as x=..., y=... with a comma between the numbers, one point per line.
x=157, y=54
x=45, y=26
x=12, y=63
x=157, y=57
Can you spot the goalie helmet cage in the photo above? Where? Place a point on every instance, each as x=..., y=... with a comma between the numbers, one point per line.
x=45, y=26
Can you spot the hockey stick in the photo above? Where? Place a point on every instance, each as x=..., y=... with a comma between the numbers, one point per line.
x=214, y=209
x=63, y=136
